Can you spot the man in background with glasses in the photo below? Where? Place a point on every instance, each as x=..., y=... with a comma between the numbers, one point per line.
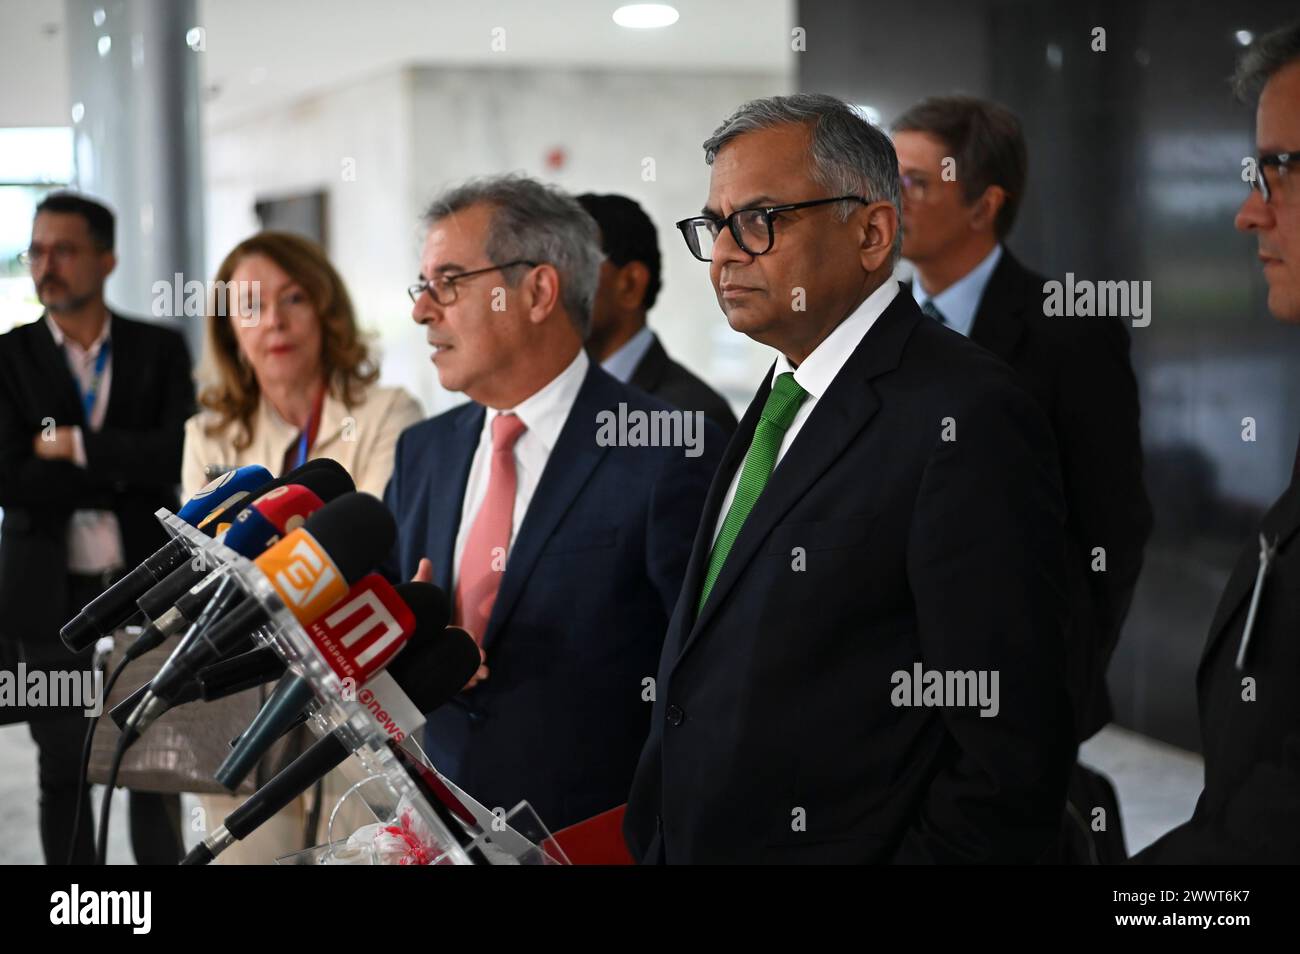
x=1248, y=682
x=563, y=549
x=92, y=419
x=954, y=227
x=888, y=514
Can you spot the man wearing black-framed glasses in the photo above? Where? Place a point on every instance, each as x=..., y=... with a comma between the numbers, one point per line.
x=890, y=500
x=1248, y=680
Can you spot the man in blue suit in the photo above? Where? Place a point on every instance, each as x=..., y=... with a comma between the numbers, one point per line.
x=557, y=507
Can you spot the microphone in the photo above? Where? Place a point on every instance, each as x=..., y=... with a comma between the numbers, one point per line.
x=246, y=670
x=310, y=570
x=259, y=525
x=116, y=604
x=329, y=480
x=323, y=477
x=425, y=675
x=357, y=638
x=222, y=492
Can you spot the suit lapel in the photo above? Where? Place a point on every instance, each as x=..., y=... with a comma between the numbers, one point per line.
x=1279, y=525
x=52, y=367
x=567, y=470
x=999, y=320
x=838, y=417
x=650, y=369
x=732, y=458
x=121, y=403
x=451, y=470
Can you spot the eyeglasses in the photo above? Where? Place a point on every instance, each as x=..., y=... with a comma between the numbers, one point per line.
x=37, y=253
x=913, y=186
x=1278, y=161
x=751, y=228
x=442, y=288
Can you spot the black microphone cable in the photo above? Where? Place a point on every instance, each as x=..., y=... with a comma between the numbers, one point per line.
x=101, y=849
x=83, y=787
x=220, y=602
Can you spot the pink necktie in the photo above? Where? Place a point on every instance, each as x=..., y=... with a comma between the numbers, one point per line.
x=484, y=559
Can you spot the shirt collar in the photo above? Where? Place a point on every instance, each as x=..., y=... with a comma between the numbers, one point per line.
x=959, y=302
x=62, y=340
x=818, y=370
x=622, y=363
x=545, y=411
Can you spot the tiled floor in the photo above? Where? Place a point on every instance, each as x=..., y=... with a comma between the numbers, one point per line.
x=1157, y=785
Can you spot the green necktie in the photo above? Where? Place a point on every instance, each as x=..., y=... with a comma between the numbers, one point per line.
x=778, y=412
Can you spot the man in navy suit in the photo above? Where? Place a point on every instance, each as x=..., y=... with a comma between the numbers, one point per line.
x=557, y=507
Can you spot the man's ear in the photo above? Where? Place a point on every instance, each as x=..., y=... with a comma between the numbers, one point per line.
x=879, y=226
x=633, y=279
x=543, y=289
x=986, y=208
x=108, y=262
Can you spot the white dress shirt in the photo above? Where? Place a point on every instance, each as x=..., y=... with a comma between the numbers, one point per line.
x=543, y=414
x=94, y=536
x=959, y=302
x=816, y=374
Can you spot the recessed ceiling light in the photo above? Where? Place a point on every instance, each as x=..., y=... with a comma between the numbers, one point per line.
x=645, y=16
x=1245, y=37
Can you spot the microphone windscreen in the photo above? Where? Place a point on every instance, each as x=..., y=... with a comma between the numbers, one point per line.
x=356, y=530
x=325, y=477
x=219, y=492
x=271, y=516
x=332, y=482
x=435, y=667
x=428, y=602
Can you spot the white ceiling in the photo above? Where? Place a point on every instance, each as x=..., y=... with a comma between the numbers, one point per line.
x=261, y=54
x=33, y=64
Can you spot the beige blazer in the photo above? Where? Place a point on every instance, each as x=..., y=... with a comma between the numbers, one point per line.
x=361, y=438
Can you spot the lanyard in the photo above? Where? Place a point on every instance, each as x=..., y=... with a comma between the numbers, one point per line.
x=101, y=364
x=308, y=435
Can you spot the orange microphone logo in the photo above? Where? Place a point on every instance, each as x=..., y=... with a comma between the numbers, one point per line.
x=303, y=575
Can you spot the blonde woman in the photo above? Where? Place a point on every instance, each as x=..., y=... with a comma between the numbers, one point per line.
x=284, y=382
x=294, y=381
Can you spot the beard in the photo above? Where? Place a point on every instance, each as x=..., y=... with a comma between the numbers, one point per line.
x=68, y=304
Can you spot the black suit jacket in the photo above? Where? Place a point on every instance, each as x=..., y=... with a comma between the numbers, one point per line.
x=133, y=463
x=1079, y=371
x=670, y=382
x=876, y=544
x=1249, y=810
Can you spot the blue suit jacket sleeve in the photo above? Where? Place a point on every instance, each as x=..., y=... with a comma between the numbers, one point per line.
x=391, y=568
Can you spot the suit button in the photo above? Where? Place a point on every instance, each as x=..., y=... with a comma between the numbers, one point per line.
x=675, y=715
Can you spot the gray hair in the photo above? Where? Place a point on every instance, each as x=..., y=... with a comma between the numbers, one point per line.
x=1263, y=58
x=537, y=222
x=850, y=156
